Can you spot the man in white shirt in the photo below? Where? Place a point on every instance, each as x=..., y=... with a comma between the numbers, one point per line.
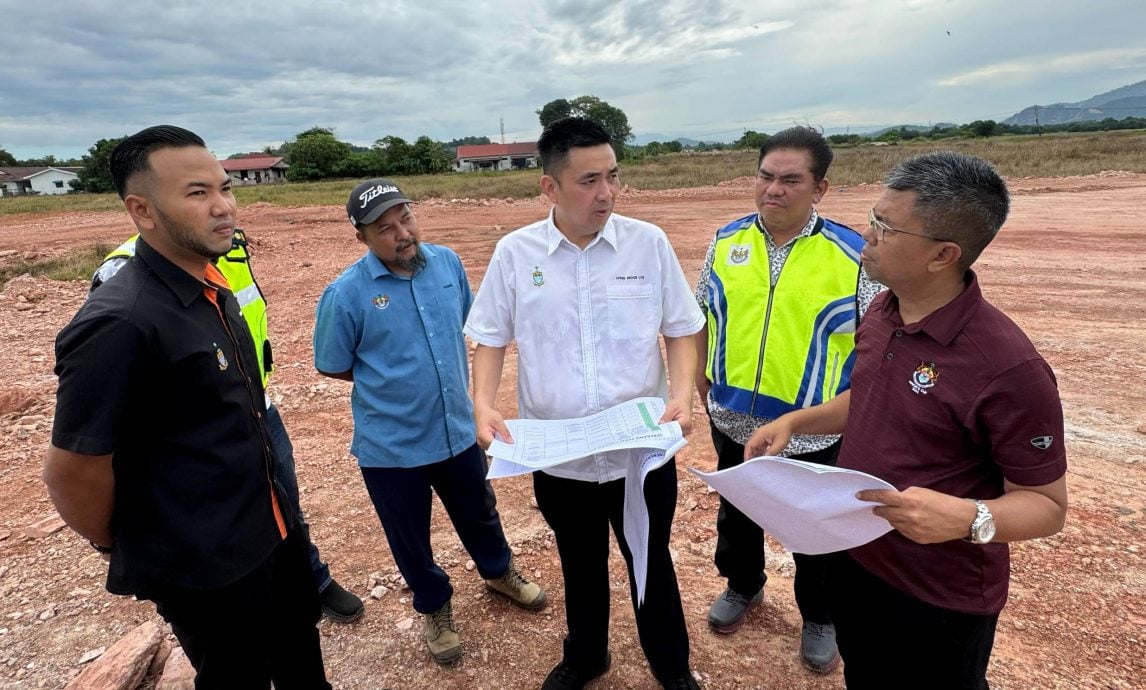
x=585, y=294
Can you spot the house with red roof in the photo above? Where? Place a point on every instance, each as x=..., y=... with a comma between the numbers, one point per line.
x=256, y=168
x=513, y=156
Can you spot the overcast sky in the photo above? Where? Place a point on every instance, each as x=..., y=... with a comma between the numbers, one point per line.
x=247, y=74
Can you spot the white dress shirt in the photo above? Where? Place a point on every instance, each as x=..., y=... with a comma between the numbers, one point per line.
x=586, y=322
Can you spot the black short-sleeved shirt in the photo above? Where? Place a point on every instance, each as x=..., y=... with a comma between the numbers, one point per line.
x=152, y=372
x=955, y=403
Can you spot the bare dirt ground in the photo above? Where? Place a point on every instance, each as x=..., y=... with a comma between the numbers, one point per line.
x=1070, y=267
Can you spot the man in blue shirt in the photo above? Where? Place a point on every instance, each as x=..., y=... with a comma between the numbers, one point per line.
x=392, y=324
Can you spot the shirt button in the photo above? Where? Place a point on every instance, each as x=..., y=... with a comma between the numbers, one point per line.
x=439, y=361
x=431, y=335
x=890, y=356
x=899, y=334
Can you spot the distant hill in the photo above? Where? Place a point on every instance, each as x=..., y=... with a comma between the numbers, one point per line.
x=642, y=139
x=1125, y=101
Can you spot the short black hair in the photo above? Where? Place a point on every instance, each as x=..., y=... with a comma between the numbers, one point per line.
x=960, y=198
x=801, y=139
x=130, y=156
x=565, y=134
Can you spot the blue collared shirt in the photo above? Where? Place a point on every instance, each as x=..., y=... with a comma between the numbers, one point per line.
x=402, y=337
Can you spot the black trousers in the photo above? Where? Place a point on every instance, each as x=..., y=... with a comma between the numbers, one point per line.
x=889, y=639
x=740, y=542
x=580, y=513
x=403, y=500
x=258, y=629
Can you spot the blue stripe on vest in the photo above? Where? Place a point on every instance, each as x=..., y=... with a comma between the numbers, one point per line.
x=735, y=227
x=838, y=316
x=739, y=399
x=848, y=240
x=846, y=379
x=718, y=307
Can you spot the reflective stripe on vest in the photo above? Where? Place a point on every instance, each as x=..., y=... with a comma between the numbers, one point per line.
x=777, y=348
x=236, y=268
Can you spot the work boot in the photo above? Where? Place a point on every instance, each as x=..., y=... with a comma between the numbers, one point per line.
x=441, y=638
x=340, y=605
x=517, y=589
x=818, y=647
x=566, y=677
x=685, y=681
x=728, y=611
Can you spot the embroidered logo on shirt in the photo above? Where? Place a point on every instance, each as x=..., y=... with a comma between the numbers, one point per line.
x=924, y=377
x=381, y=301
x=222, y=359
x=1042, y=442
x=738, y=253
x=538, y=277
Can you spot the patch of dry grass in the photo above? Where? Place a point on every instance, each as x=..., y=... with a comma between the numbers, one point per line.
x=76, y=264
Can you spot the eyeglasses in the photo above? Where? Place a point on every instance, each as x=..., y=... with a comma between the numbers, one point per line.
x=881, y=229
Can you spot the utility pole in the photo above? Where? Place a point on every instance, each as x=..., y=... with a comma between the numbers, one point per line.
x=1038, y=129
x=501, y=121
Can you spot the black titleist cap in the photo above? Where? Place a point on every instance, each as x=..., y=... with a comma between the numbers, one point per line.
x=371, y=199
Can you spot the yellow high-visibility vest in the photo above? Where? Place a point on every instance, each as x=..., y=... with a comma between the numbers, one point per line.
x=774, y=348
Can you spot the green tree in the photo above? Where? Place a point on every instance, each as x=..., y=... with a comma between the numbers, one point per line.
x=315, y=154
x=95, y=169
x=553, y=111
x=612, y=119
x=397, y=156
x=673, y=146
x=982, y=128
x=430, y=156
x=6, y=158
x=750, y=140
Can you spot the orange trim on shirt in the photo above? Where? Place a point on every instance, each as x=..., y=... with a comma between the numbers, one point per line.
x=215, y=278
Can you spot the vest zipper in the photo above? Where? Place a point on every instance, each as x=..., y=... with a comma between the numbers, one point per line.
x=767, y=318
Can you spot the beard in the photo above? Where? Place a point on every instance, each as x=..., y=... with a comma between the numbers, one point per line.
x=184, y=236
x=416, y=262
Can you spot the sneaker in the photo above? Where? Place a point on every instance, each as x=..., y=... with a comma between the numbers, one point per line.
x=684, y=682
x=566, y=677
x=818, y=647
x=516, y=588
x=340, y=605
x=728, y=611
x=441, y=638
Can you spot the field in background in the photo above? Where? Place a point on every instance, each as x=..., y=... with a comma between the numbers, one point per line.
x=1051, y=155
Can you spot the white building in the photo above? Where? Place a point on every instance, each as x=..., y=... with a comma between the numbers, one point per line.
x=39, y=180
x=513, y=156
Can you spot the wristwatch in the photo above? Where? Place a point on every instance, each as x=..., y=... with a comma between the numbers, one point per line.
x=983, y=527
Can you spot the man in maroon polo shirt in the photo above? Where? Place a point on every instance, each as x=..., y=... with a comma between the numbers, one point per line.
x=951, y=403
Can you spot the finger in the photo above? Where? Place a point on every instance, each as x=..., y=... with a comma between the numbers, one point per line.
x=502, y=432
x=885, y=496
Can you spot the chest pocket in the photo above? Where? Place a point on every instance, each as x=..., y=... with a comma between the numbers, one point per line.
x=634, y=311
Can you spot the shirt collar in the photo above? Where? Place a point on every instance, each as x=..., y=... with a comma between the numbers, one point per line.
x=947, y=321
x=553, y=236
x=185, y=286
x=807, y=230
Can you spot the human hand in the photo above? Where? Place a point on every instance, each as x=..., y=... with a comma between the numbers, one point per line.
x=922, y=515
x=490, y=425
x=679, y=412
x=770, y=439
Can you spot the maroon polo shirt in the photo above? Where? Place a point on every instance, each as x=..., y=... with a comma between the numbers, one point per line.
x=954, y=403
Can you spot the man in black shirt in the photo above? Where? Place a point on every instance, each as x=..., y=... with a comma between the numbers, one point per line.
x=160, y=454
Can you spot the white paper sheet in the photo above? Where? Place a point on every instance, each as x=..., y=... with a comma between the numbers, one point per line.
x=809, y=508
x=546, y=443
x=541, y=443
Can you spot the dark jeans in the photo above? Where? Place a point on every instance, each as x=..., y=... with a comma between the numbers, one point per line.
x=402, y=498
x=258, y=629
x=740, y=542
x=580, y=512
x=285, y=474
x=889, y=639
